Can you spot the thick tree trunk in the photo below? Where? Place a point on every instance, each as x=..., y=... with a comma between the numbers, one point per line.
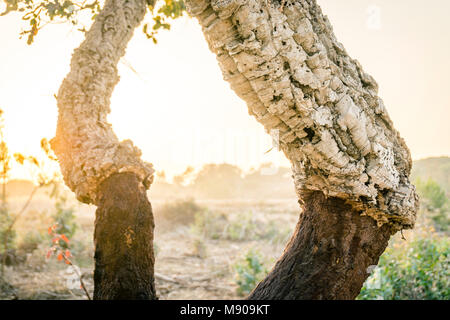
x=349, y=163
x=123, y=236
x=99, y=168
x=328, y=256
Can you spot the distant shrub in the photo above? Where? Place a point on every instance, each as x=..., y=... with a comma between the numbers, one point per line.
x=180, y=211
x=434, y=195
x=64, y=218
x=242, y=227
x=7, y=235
x=199, y=247
x=435, y=202
x=250, y=271
x=441, y=220
x=275, y=233
x=418, y=271
x=31, y=241
x=209, y=224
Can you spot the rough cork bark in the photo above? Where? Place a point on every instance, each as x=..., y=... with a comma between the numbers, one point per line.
x=285, y=62
x=86, y=146
x=124, y=257
x=99, y=168
x=348, y=161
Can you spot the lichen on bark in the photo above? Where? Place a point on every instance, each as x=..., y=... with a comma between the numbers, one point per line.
x=86, y=146
x=282, y=58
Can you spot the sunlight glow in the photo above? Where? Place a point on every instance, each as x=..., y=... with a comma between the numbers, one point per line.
x=173, y=103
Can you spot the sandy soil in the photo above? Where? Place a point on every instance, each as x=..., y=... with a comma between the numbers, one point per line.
x=188, y=265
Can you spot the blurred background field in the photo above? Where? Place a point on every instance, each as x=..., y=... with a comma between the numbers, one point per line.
x=218, y=232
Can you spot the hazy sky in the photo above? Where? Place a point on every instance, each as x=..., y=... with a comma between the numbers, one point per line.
x=180, y=112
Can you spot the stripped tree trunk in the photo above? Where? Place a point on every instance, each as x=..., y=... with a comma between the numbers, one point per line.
x=99, y=168
x=350, y=166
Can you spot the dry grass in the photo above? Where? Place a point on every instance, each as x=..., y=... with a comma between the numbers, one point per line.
x=188, y=265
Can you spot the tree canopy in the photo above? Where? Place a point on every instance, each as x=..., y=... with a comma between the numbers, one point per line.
x=39, y=13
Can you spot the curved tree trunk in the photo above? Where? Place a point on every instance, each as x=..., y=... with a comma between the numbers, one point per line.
x=350, y=165
x=99, y=168
x=123, y=236
x=329, y=255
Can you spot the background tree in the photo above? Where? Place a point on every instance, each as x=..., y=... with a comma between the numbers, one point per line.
x=218, y=181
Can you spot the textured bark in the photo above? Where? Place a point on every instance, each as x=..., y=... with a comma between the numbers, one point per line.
x=296, y=78
x=349, y=163
x=124, y=257
x=87, y=148
x=328, y=256
x=99, y=168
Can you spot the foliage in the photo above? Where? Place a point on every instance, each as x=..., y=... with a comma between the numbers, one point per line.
x=7, y=236
x=31, y=241
x=419, y=270
x=209, y=224
x=39, y=13
x=250, y=271
x=436, y=168
x=64, y=218
x=433, y=193
x=7, y=221
x=60, y=249
x=170, y=9
x=435, y=202
x=241, y=228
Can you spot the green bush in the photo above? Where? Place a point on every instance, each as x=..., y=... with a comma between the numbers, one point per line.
x=434, y=196
x=434, y=203
x=209, y=224
x=243, y=227
x=64, y=218
x=7, y=235
x=250, y=271
x=418, y=271
x=31, y=241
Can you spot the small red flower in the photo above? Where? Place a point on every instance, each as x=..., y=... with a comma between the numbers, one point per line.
x=63, y=237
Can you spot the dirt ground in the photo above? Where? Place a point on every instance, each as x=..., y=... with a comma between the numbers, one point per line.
x=189, y=264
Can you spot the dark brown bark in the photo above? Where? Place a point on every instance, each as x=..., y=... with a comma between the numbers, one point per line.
x=329, y=254
x=124, y=257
